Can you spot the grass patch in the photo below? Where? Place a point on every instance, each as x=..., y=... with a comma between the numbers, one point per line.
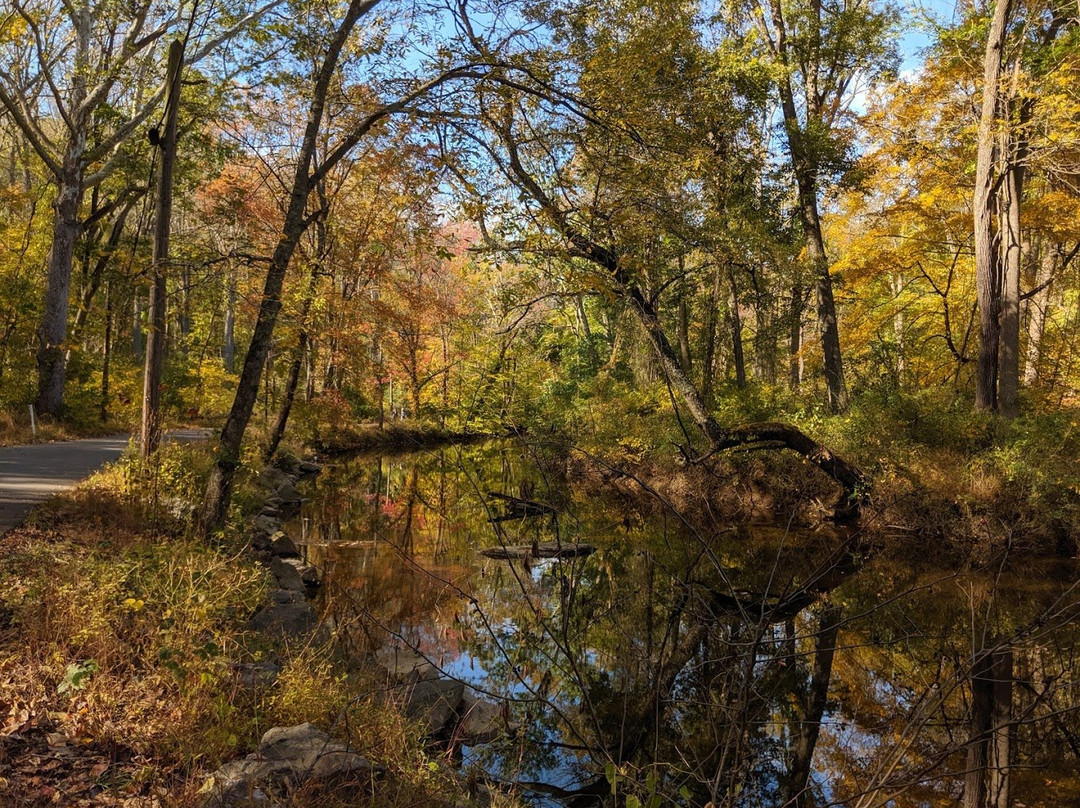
x=120, y=641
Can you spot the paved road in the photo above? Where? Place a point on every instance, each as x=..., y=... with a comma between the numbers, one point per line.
x=32, y=474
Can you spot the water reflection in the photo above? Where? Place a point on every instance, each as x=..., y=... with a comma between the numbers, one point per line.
x=694, y=662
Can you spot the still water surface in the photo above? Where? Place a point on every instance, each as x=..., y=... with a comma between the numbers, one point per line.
x=690, y=660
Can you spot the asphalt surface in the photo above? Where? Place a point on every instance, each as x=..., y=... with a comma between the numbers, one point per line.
x=31, y=474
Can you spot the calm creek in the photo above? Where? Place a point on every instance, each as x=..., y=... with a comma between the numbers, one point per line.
x=688, y=660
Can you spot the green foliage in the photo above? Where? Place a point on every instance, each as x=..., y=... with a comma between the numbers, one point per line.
x=77, y=677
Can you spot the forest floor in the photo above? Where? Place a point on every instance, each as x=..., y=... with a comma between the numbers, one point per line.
x=123, y=641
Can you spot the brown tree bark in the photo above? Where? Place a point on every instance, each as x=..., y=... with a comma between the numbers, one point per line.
x=1011, y=254
x=805, y=169
x=1037, y=307
x=292, y=381
x=137, y=342
x=53, y=330
x=682, y=325
x=150, y=433
x=1015, y=150
x=795, y=310
x=107, y=359
x=219, y=487
x=987, y=269
x=708, y=361
x=736, y=332
x=228, y=342
x=828, y=326
x=765, y=333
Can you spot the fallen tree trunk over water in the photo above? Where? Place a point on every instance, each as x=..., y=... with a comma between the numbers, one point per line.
x=852, y=481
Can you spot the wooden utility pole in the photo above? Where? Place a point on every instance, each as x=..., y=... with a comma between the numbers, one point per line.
x=165, y=140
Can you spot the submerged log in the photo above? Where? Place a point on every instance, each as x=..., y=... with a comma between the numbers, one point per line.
x=538, y=550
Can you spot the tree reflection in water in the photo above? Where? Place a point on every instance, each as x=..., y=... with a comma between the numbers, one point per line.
x=695, y=662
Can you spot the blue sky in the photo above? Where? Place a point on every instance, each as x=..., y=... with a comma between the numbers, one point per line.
x=916, y=15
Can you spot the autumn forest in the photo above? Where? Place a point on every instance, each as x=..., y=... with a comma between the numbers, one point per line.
x=768, y=309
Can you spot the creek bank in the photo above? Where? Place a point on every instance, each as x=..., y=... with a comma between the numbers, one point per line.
x=444, y=707
x=289, y=614
x=302, y=756
x=287, y=758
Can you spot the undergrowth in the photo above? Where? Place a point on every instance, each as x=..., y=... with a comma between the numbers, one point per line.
x=959, y=482
x=122, y=638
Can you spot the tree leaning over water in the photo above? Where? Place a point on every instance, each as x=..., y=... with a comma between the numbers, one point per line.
x=310, y=169
x=541, y=139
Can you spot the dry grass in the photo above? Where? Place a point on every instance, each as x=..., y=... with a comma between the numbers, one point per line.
x=117, y=684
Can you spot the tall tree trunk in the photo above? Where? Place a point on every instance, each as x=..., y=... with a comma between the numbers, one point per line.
x=53, y=330
x=106, y=360
x=150, y=434
x=828, y=326
x=708, y=360
x=682, y=326
x=805, y=170
x=309, y=373
x=219, y=486
x=1011, y=253
x=90, y=236
x=136, y=323
x=795, y=309
x=1036, y=312
x=288, y=396
x=1015, y=153
x=70, y=174
x=586, y=330
x=228, y=343
x=898, y=330
x=293, y=378
x=736, y=332
x=414, y=394
x=987, y=270
x=445, y=402
x=185, y=307
x=764, y=330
